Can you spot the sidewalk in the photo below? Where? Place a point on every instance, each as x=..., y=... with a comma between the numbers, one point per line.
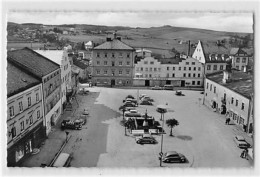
x=51, y=145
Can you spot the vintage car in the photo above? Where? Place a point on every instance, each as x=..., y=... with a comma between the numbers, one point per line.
x=70, y=124
x=146, y=139
x=173, y=156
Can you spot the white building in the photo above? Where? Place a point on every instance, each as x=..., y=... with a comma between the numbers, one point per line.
x=143, y=53
x=60, y=57
x=231, y=93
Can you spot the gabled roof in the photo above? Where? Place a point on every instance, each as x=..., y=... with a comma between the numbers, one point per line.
x=114, y=44
x=53, y=55
x=214, y=49
x=241, y=82
x=235, y=51
x=18, y=80
x=32, y=62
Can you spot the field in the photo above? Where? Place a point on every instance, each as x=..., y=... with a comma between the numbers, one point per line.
x=19, y=45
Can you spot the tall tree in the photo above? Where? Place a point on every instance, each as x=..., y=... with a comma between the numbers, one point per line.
x=172, y=123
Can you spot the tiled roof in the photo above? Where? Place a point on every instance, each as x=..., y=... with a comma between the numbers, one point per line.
x=32, y=62
x=235, y=51
x=53, y=55
x=170, y=60
x=241, y=82
x=79, y=64
x=115, y=44
x=214, y=49
x=18, y=80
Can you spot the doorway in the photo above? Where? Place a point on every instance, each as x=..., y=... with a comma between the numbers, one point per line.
x=113, y=82
x=147, y=83
x=182, y=83
x=168, y=82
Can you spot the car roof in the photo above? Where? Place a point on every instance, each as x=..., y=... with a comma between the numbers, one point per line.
x=238, y=137
x=171, y=153
x=147, y=135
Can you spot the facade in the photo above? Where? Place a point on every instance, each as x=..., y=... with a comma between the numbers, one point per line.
x=61, y=58
x=178, y=72
x=83, y=68
x=49, y=74
x=239, y=58
x=25, y=115
x=113, y=63
x=143, y=53
x=230, y=93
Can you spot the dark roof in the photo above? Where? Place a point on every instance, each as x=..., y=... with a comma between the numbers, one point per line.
x=32, y=62
x=241, y=82
x=234, y=51
x=114, y=44
x=18, y=80
x=170, y=60
x=214, y=49
x=79, y=64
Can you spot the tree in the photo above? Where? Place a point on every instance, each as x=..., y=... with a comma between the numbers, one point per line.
x=172, y=123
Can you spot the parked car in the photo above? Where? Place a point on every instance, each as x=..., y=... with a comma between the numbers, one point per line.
x=147, y=98
x=173, y=156
x=129, y=104
x=82, y=121
x=142, y=95
x=130, y=100
x=129, y=114
x=130, y=96
x=146, y=139
x=168, y=87
x=146, y=102
x=179, y=93
x=70, y=124
x=85, y=112
x=241, y=142
x=156, y=88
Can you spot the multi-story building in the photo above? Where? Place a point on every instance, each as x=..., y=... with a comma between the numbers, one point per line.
x=49, y=74
x=230, y=93
x=213, y=57
x=174, y=71
x=239, y=58
x=113, y=63
x=61, y=58
x=25, y=129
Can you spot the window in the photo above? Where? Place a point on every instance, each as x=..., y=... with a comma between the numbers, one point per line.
x=151, y=62
x=167, y=75
x=155, y=69
x=189, y=75
x=38, y=114
x=105, y=62
x=120, y=63
x=184, y=74
x=173, y=68
x=22, y=126
x=187, y=63
x=184, y=68
x=167, y=68
x=105, y=72
x=243, y=106
x=198, y=82
x=146, y=75
x=141, y=68
x=198, y=68
x=11, y=111
x=214, y=89
x=98, y=72
x=189, y=68
x=146, y=69
x=98, y=62
x=198, y=75
x=236, y=102
x=173, y=75
x=127, y=72
x=179, y=68
x=113, y=73
x=29, y=101
x=145, y=62
x=193, y=63
x=207, y=85
x=128, y=63
x=193, y=82
x=21, y=106
x=137, y=69
x=98, y=55
x=120, y=55
x=208, y=67
x=194, y=75
x=194, y=69
x=150, y=75
x=238, y=60
x=151, y=69
x=210, y=87
x=113, y=63
x=232, y=100
x=13, y=130
x=128, y=55
x=221, y=67
x=120, y=72
x=215, y=67
x=244, y=60
x=113, y=55
x=159, y=69
x=31, y=120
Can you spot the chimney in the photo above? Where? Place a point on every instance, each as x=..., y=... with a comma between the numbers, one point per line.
x=226, y=77
x=109, y=39
x=118, y=38
x=188, y=54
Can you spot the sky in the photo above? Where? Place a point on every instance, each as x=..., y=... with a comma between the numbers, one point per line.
x=230, y=22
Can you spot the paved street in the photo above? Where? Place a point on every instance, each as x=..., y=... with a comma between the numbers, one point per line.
x=201, y=136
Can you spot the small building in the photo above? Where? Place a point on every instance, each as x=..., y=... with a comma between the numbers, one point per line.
x=239, y=58
x=143, y=53
x=231, y=93
x=82, y=67
x=25, y=130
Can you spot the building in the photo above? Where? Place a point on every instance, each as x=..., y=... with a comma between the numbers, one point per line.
x=239, y=58
x=82, y=67
x=49, y=74
x=25, y=115
x=113, y=63
x=61, y=58
x=230, y=93
x=143, y=53
x=179, y=72
x=212, y=56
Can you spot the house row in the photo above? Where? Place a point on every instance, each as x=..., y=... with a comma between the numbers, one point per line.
x=38, y=83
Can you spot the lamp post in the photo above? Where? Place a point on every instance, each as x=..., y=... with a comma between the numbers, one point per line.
x=67, y=134
x=162, y=109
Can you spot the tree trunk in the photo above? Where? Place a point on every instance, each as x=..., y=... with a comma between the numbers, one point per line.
x=171, y=132
x=125, y=130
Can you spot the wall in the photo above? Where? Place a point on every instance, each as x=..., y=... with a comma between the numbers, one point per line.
x=198, y=53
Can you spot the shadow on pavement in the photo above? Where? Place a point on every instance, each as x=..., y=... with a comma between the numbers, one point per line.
x=184, y=137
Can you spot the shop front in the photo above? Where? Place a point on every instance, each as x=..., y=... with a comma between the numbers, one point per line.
x=23, y=145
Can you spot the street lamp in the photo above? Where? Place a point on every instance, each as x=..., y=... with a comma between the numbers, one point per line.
x=67, y=134
x=162, y=109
